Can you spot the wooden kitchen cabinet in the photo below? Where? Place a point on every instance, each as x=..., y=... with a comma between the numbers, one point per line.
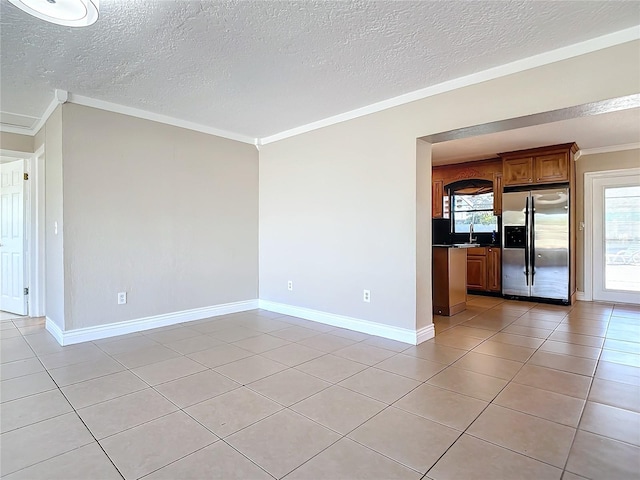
x=497, y=194
x=476, y=272
x=552, y=168
x=494, y=269
x=484, y=269
x=538, y=165
x=448, y=274
x=517, y=171
x=437, y=191
x=445, y=175
x=544, y=166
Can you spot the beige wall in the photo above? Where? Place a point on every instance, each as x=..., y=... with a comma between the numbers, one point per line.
x=15, y=142
x=166, y=214
x=336, y=216
x=40, y=139
x=51, y=136
x=596, y=163
x=424, y=307
x=339, y=205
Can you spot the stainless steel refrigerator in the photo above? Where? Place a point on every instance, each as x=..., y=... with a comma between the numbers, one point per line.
x=535, y=244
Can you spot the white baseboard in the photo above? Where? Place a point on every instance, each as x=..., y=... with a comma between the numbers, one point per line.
x=582, y=296
x=387, y=331
x=54, y=330
x=425, y=333
x=98, y=332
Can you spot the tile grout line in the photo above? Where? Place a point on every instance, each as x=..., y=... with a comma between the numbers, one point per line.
x=375, y=365
x=410, y=413
x=586, y=400
x=284, y=407
x=492, y=403
x=592, y=377
x=90, y=432
x=130, y=428
x=477, y=416
x=79, y=418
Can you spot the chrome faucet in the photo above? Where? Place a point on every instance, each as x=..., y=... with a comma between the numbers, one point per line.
x=471, y=238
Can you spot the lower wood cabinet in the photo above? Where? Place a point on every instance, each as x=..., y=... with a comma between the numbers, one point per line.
x=477, y=272
x=484, y=269
x=449, y=292
x=494, y=269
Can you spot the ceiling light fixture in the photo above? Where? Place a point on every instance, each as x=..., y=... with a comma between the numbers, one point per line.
x=70, y=13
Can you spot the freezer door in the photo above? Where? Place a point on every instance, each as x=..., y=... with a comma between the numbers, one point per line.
x=515, y=241
x=550, y=244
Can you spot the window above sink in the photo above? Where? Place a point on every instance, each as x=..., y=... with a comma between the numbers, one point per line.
x=471, y=203
x=473, y=209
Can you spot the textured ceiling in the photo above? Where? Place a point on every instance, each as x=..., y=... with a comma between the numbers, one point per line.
x=258, y=68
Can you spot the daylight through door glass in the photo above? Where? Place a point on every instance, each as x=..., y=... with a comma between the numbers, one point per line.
x=622, y=238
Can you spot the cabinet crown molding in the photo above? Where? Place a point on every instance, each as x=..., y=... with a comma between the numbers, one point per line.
x=538, y=150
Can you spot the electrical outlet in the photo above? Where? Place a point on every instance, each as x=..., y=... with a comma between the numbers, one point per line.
x=290, y=285
x=122, y=298
x=366, y=296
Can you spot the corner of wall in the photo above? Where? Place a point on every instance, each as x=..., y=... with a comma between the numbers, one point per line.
x=51, y=135
x=424, y=309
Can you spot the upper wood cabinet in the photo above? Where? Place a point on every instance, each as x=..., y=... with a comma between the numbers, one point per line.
x=497, y=194
x=517, y=171
x=539, y=165
x=552, y=168
x=444, y=175
x=437, y=191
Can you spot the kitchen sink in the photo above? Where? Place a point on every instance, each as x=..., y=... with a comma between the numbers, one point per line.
x=466, y=245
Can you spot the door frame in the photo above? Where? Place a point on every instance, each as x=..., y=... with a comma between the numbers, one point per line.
x=34, y=228
x=589, y=220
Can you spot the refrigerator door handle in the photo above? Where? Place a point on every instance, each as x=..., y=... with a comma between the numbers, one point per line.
x=532, y=248
x=526, y=240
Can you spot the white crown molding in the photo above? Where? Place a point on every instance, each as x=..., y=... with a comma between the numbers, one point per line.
x=17, y=154
x=564, y=53
x=78, y=335
x=47, y=113
x=608, y=149
x=156, y=117
x=17, y=130
x=405, y=335
x=39, y=124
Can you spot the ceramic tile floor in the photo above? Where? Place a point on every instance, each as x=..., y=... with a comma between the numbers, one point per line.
x=506, y=390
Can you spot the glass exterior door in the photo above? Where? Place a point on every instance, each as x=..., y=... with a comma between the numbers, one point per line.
x=617, y=239
x=622, y=238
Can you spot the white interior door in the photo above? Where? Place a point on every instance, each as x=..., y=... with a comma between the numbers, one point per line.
x=616, y=238
x=12, y=245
